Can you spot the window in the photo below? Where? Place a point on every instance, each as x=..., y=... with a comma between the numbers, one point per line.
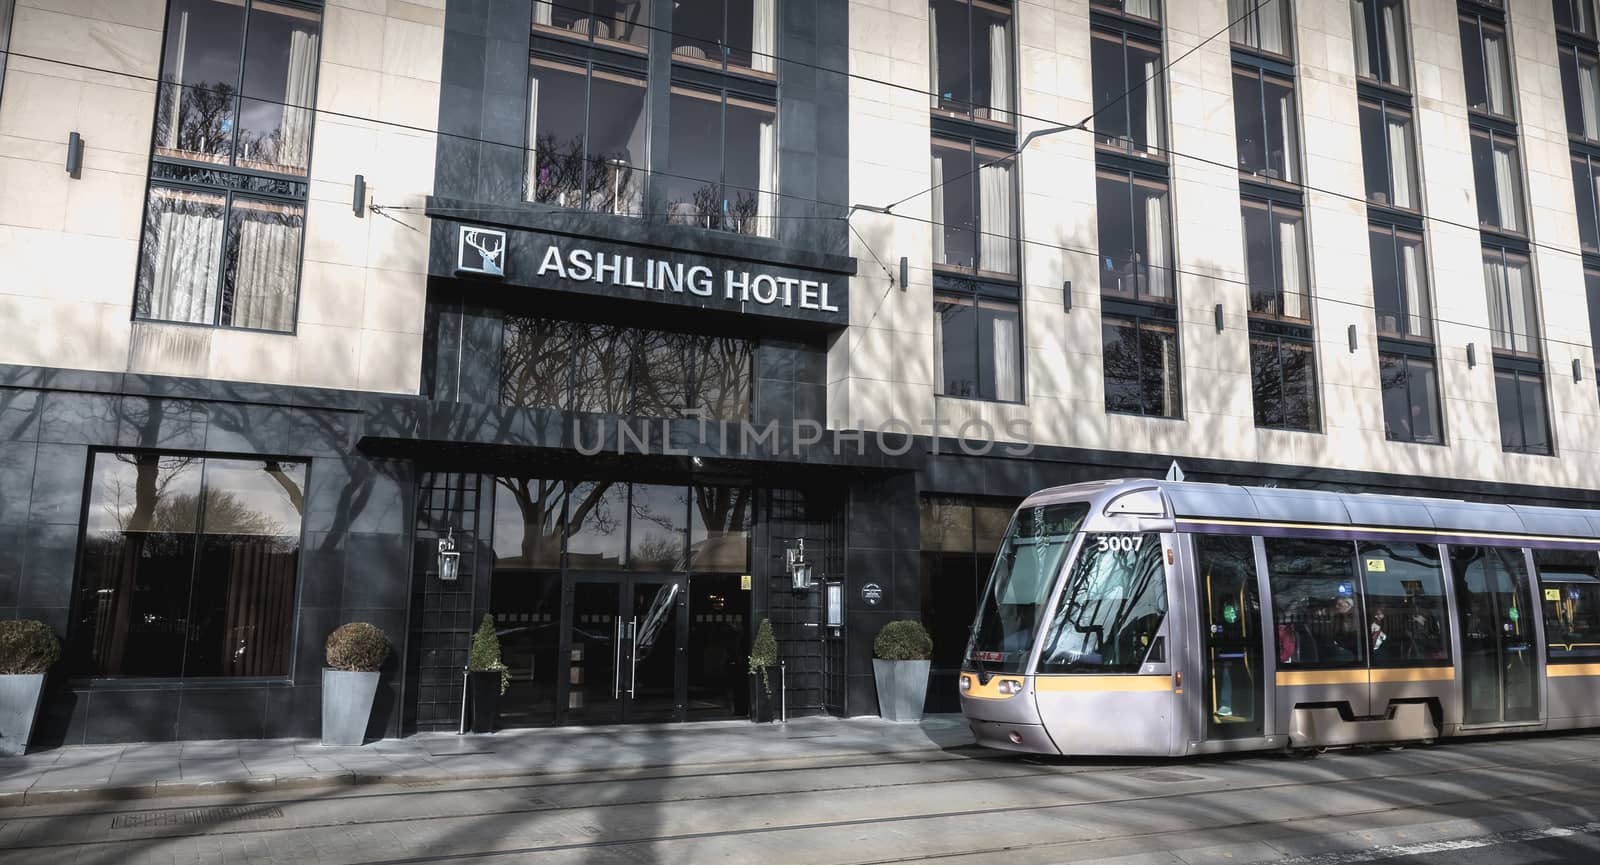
x=1150, y=10
x=1134, y=262
x=959, y=538
x=1265, y=124
x=1141, y=366
x=1591, y=284
x=5, y=39
x=617, y=23
x=1283, y=383
x=1499, y=181
x=1410, y=398
x=1012, y=604
x=722, y=167
x=1262, y=25
x=577, y=366
x=1128, y=91
x=970, y=67
x=1399, y=282
x=1484, y=57
x=1316, y=605
x=225, y=214
x=726, y=34
x=1111, y=609
x=1524, y=424
x=1584, y=180
x=1580, y=85
x=1274, y=261
x=978, y=344
x=975, y=209
x=188, y=567
x=719, y=529
x=658, y=528
x=1569, y=593
x=1380, y=40
x=1407, y=625
x=591, y=158
x=1514, y=325
x=1387, y=155
x=1575, y=15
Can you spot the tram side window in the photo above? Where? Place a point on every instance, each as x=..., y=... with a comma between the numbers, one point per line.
x=1316, y=607
x=1569, y=593
x=1406, y=620
x=1111, y=608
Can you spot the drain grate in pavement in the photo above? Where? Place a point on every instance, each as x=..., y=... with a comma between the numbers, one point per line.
x=1163, y=777
x=193, y=817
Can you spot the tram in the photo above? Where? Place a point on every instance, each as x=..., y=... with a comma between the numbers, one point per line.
x=1158, y=618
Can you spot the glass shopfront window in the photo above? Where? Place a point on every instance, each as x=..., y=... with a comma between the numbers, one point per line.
x=586, y=138
x=617, y=23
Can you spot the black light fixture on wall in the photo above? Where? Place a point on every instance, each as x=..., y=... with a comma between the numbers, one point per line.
x=75, y=155
x=449, y=558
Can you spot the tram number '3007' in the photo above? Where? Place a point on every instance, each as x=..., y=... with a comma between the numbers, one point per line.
x=1119, y=543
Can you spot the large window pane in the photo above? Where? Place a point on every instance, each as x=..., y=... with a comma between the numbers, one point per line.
x=1580, y=84
x=1569, y=584
x=738, y=34
x=528, y=519
x=1275, y=261
x=1113, y=604
x=1575, y=15
x=1315, y=604
x=732, y=184
x=620, y=23
x=1265, y=125
x=658, y=530
x=1524, y=420
x=970, y=66
x=1485, y=61
x=1407, y=622
x=1283, y=380
x=1513, y=319
x=1380, y=40
x=1583, y=195
x=197, y=109
x=974, y=209
x=956, y=328
x=1387, y=156
x=661, y=374
x=597, y=525
x=592, y=157
x=180, y=256
x=602, y=371
x=1591, y=285
x=1499, y=181
x=750, y=182
x=1133, y=237
x=719, y=529
x=1127, y=93
x=536, y=362
x=1141, y=367
x=1410, y=399
x=978, y=347
x=1261, y=24
x=1399, y=283
x=1147, y=9
x=279, y=86
x=262, y=264
x=723, y=378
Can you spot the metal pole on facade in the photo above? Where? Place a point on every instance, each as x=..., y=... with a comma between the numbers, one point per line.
x=783, y=687
x=461, y=727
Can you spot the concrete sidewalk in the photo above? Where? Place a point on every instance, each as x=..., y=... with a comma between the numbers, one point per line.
x=89, y=772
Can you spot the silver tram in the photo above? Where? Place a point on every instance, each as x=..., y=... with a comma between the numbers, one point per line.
x=1157, y=618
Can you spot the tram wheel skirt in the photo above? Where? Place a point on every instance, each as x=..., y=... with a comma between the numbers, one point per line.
x=1008, y=736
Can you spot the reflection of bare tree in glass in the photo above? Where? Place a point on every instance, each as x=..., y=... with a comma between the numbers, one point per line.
x=539, y=502
x=536, y=362
x=590, y=503
x=600, y=377
x=725, y=514
x=661, y=373
x=741, y=215
x=197, y=118
x=565, y=176
x=723, y=379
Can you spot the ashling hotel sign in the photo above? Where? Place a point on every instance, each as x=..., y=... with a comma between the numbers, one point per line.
x=594, y=266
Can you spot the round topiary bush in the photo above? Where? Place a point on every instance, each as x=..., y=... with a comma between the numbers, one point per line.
x=357, y=648
x=903, y=640
x=27, y=646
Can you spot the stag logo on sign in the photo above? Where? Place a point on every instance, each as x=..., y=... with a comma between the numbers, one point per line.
x=482, y=252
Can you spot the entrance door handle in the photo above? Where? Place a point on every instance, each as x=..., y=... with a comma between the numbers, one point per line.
x=633, y=656
x=616, y=660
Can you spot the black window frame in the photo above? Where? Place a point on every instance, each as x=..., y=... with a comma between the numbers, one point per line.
x=1572, y=6
x=1124, y=29
x=1251, y=19
x=1576, y=48
x=1520, y=371
x=725, y=90
x=1282, y=341
x=1143, y=318
x=1591, y=287
x=1261, y=69
x=981, y=294
x=176, y=173
x=588, y=64
x=1478, y=15
x=1535, y=334
x=1428, y=400
x=1387, y=103
x=1119, y=8
x=1272, y=204
x=1377, y=27
x=1492, y=133
x=971, y=114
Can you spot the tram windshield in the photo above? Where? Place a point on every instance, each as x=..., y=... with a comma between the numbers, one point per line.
x=1019, y=586
x=1111, y=607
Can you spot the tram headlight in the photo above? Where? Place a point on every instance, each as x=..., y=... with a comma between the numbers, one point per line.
x=966, y=683
x=1010, y=687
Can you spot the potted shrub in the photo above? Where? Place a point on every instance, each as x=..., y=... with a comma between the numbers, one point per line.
x=355, y=651
x=900, y=668
x=763, y=658
x=27, y=649
x=489, y=676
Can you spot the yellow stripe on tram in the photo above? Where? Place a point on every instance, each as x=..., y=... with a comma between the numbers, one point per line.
x=1413, y=674
x=1563, y=670
x=1378, y=676
x=1122, y=684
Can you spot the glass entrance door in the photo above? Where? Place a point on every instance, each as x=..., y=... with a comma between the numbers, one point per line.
x=624, y=644
x=1499, y=675
x=1231, y=644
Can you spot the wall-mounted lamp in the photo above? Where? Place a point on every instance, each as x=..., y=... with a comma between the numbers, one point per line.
x=1352, y=334
x=799, y=569
x=1218, y=313
x=75, y=155
x=905, y=272
x=449, y=559
x=358, y=197
x=1577, y=370
x=1472, y=355
x=1066, y=295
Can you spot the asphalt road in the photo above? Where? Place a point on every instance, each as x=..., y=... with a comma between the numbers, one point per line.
x=1531, y=800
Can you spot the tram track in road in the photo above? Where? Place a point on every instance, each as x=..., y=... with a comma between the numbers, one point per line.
x=1066, y=773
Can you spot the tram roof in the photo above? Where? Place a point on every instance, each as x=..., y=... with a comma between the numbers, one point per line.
x=1321, y=507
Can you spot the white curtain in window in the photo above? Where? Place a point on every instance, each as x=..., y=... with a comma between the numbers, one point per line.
x=1241, y=27
x=1158, y=275
x=1411, y=273
x=764, y=37
x=1358, y=25
x=1152, y=106
x=1495, y=284
x=1505, y=189
x=938, y=348
x=1272, y=25
x=1168, y=386
x=1521, y=313
x=531, y=185
x=1292, y=281
x=1589, y=96
x=298, y=95
x=183, y=282
x=937, y=194
x=1494, y=58
x=1291, y=146
x=996, y=219
x=933, y=56
x=767, y=181
x=1142, y=8
x=1395, y=69
x=268, y=262
x=1400, y=161
x=1005, y=359
x=541, y=12
x=999, y=73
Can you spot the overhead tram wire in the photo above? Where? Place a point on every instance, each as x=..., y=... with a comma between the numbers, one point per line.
x=1040, y=244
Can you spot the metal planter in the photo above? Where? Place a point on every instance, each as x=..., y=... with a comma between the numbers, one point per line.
x=346, y=706
x=19, y=705
x=902, y=686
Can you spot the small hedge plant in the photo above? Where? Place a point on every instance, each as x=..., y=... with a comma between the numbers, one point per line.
x=27, y=646
x=903, y=640
x=357, y=647
x=764, y=653
x=484, y=656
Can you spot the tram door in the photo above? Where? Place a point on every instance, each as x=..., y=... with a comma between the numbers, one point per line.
x=1500, y=682
x=1231, y=639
